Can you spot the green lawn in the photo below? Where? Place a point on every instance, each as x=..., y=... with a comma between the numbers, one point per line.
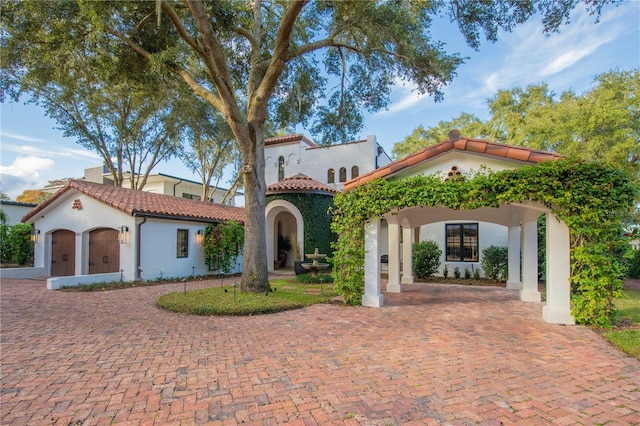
x=285, y=295
x=626, y=333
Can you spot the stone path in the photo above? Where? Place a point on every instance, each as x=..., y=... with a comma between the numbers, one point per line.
x=436, y=354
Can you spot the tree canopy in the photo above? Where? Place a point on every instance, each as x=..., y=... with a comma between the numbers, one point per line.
x=603, y=123
x=299, y=62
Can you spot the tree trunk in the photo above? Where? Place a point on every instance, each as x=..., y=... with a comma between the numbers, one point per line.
x=255, y=276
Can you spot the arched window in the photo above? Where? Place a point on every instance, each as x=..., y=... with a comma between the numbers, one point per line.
x=331, y=176
x=355, y=172
x=280, y=168
x=343, y=174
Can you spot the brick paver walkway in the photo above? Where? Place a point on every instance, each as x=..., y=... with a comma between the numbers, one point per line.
x=437, y=354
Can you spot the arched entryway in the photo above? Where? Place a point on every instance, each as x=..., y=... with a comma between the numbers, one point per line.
x=63, y=253
x=104, y=251
x=283, y=220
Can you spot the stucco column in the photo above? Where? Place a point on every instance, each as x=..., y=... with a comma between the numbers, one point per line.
x=407, y=255
x=529, y=291
x=372, y=296
x=394, y=286
x=513, y=281
x=558, y=307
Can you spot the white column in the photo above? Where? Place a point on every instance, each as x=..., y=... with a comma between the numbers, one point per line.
x=529, y=291
x=394, y=286
x=407, y=255
x=372, y=296
x=558, y=307
x=513, y=281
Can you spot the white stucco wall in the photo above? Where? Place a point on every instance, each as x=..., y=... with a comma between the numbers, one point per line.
x=315, y=162
x=488, y=233
x=93, y=214
x=13, y=213
x=466, y=162
x=158, y=239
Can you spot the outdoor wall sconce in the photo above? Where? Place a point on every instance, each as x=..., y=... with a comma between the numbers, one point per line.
x=35, y=236
x=199, y=237
x=123, y=234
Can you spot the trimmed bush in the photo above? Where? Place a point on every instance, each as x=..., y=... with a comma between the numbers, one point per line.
x=495, y=261
x=426, y=258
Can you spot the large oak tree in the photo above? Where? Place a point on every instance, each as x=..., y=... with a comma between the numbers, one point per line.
x=289, y=61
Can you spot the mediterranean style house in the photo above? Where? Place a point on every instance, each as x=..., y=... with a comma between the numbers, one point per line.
x=89, y=232
x=302, y=178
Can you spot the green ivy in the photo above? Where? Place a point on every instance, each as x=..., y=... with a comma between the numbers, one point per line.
x=314, y=209
x=592, y=199
x=223, y=243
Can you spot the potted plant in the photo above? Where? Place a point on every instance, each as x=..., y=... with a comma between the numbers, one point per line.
x=284, y=245
x=297, y=264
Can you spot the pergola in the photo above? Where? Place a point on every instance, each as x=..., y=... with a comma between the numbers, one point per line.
x=453, y=156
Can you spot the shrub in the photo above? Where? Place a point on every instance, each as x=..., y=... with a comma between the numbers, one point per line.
x=495, y=261
x=634, y=265
x=456, y=272
x=19, y=244
x=467, y=273
x=445, y=271
x=476, y=273
x=5, y=250
x=426, y=258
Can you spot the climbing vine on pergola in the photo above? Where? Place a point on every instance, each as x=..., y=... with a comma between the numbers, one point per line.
x=593, y=199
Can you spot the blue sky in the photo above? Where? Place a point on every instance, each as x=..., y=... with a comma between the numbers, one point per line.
x=32, y=151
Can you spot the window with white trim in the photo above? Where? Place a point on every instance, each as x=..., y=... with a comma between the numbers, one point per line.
x=461, y=242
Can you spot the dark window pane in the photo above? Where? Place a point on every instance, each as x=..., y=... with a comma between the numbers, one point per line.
x=182, y=246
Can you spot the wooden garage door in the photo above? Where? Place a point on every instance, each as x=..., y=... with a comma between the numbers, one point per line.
x=104, y=251
x=63, y=253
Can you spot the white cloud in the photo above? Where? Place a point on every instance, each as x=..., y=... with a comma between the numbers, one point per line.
x=59, y=152
x=23, y=138
x=24, y=172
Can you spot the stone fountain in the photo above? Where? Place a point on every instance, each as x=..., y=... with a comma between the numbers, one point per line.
x=315, y=266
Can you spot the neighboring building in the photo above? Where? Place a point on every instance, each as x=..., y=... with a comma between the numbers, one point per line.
x=90, y=232
x=158, y=183
x=13, y=211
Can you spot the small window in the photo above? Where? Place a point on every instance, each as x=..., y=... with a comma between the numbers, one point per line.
x=190, y=196
x=355, y=172
x=280, y=168
x=182, y=246
x=331, y=176
x=462, y=242
x=343, y=174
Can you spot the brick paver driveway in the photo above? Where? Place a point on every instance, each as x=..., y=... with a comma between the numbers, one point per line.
x=435, y=354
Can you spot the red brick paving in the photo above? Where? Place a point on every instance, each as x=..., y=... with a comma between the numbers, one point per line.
x=436, y=354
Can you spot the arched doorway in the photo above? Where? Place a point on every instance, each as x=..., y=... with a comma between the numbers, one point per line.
x=104, y=251
x=63, y=253
x=283, y=219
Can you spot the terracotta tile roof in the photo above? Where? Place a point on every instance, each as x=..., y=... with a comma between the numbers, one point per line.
x=296, y=137
x=493, y=149
x=141, y=203
x=300, y=183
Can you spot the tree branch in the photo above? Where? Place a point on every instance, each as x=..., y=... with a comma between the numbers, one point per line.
x=182, y=31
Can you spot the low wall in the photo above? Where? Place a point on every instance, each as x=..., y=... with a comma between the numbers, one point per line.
x=30, y=272
x=57, y=283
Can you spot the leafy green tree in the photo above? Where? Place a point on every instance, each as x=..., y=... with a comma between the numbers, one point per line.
x=96, y=90
x=601, y=124
x=210, y=148
x=19, y=243
x=34, y=196
x=253, y=60
x=468, y=124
